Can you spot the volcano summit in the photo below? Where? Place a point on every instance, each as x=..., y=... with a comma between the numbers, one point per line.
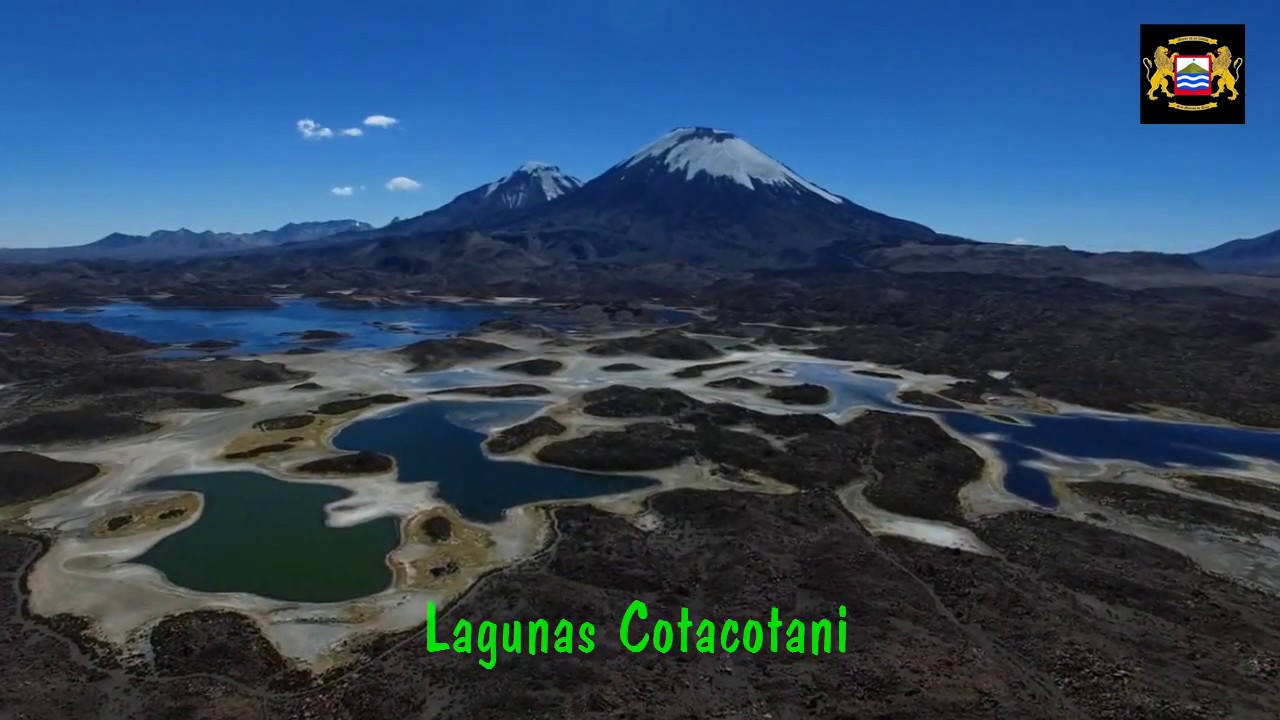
x=719, y=154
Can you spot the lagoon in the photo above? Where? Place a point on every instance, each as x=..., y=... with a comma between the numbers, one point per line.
x=261, y=330
x=1100, y=438
x=440, y=442
x=268, y=537
x=274, y=330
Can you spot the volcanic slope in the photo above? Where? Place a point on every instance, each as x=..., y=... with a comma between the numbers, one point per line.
x=1258, y=255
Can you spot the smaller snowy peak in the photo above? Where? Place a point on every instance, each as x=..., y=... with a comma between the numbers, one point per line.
x=721, y=154
x=530, y=180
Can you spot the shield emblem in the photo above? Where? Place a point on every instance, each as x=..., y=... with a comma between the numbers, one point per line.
x=1192, y=74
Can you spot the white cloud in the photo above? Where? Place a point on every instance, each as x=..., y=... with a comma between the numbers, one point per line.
x=402, y=183
x=343, y=191
x=1018, y=241
x=312, y=130
x=382, y=121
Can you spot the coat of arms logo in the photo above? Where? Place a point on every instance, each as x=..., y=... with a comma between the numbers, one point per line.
x=1204, y=78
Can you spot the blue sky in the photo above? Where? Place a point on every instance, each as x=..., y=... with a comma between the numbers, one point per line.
x=993, y=120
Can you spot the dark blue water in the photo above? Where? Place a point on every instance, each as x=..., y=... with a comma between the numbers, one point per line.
x=1150, y=442
x=264, y=330
x=260, y=330
x=428, y=446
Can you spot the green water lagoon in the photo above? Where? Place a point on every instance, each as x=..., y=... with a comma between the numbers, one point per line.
x=268, y=537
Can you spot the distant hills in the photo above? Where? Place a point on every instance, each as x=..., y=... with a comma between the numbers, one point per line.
x=1247, y=256
x=166, y=244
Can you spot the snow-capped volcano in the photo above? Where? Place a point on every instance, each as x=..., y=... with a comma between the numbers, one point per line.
x=696, y=198
x=706, y=197
x=531, y=183
x=528, y=186
x=721, y=154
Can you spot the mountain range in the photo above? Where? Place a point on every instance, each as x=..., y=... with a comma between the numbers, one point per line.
x=696, y=198
x=164, y=244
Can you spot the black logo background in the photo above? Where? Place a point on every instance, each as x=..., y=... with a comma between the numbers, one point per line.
x=1158, y=111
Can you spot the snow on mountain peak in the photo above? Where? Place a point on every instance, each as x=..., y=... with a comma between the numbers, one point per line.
x=548, y=178
x=533, y=167
x=722, y=154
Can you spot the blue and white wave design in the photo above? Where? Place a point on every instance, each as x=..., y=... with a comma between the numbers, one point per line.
x=1193, y=81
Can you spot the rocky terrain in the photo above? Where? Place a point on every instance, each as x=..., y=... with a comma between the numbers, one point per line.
x=342, y=407
x=1236, y=489
x=665, y=344
x=513, y=390
x=517, y=436
x=538, y=367
x=441, y=354
x=1073, y=339
x=701, y=369
x=213, y=345
x=26, y=476
x=1191, y=348
x=1067, y=621
x=288, y=422
x=356, y=463
x=1187, y=512
x=914, y=467
x=36, y=349
x=259, y=451
x=621, y=367
x=802, y=394
x=82, y=384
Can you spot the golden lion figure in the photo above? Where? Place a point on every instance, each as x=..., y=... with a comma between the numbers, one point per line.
x=1163, y=72
x=1222, y=71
